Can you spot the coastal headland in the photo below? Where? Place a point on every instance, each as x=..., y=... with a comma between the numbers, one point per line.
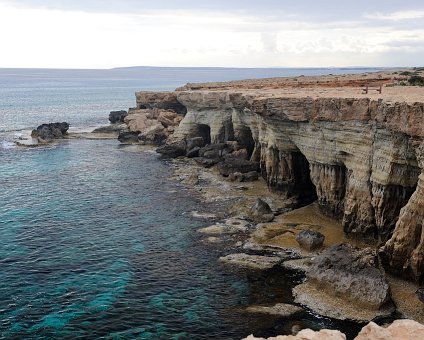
x=350, y=145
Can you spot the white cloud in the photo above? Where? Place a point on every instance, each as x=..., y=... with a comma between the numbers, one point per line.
x=396, y=16
x=58, y=38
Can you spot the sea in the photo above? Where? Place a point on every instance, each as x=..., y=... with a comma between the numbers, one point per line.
x=97, y=241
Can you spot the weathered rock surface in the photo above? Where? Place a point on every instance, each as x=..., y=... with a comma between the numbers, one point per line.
x=281, y=309
x=257, y=262
x=343, y=282
x=172, y=150
x=153, y=126
x=117, y=116
x=310, y=239
x=323, y=139
x=261, y=212
x=398, y=330
x=115, y=129
x=307, y=334
x=48, y=132
x=128, y=137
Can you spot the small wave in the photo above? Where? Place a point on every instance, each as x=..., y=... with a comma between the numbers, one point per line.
x=4, y=144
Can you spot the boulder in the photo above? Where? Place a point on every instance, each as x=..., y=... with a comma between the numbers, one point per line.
x=261, y=212
x=128, y=137
x=343, y=282
x=250, y=176
x=155, y=134
x=112, y=128
x=195, y=142
x=236, y=177
x=420, y=294
x=398, y=330
x=281, y=309
x=241, y=153
x=48, y=132
x=167, y=118
x=310, y=239
x=193, y=152
x=251, y=261
x=231, y=165
x=172, y=150
x=117, y=116
x=213, y=150
x=206, y=162
x=307, y=334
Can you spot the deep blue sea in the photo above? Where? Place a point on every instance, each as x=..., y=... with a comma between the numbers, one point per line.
x=96, y=240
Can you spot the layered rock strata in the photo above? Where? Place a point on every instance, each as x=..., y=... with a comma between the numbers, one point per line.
x=356, y=154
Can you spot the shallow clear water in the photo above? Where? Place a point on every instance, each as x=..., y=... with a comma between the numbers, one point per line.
x=97, y=241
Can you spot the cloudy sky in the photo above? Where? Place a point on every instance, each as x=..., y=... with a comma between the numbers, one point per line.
x=231, y=33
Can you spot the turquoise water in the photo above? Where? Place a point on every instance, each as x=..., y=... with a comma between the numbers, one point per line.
x=98, y=242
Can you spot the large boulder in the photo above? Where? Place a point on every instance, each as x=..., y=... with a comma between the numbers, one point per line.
x=343, y=282
x=128, y=137
x=398, y=330
x=117, y=116
x=310, y=239
x=261, y=212
x=172, y=150
x=231, y=165
x=48, y=132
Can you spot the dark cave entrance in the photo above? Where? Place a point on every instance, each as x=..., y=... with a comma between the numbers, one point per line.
x=204, y=131
x=245, y=139
x=303, y=187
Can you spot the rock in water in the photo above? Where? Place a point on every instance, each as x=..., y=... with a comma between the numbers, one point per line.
x=48, y=132
x=343, y=282
x=261, y=212
x=117, y=116
x=128, y=137
x=310, y=239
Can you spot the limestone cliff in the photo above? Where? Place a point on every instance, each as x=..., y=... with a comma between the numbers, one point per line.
x=356, y=154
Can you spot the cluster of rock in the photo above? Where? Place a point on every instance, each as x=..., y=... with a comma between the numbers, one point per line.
x=231, y=159
x=149, y=126
x=45, y=133
x=398, y=330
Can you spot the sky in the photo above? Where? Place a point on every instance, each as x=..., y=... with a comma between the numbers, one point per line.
x=219, y=33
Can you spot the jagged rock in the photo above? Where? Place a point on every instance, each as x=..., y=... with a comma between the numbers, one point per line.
x=343, y=282
x=155, y=134
x=281, y=309
x=398, y=330
x=261, y=212
x=420, y=294
x=251, y=261
x=231, y=165
x=250, y=176
x=241, y=153
x=310, y=239
x=206, y=162
x=236, y=177
x=193, y=152
x=48, y=132
x=117, y=116
x=112, y=128
x=214, y=151
x=128, y=137
x=160, y=100
x=307, y=334
x=172, y=150
x=195, y=142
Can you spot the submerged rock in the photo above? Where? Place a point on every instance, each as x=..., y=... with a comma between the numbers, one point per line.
x=48, y=132
x=261, y=212
x=281, y=309
x=251, y=261
x=310, y=239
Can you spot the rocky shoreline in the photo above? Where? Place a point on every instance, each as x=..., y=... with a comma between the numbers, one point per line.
x=312, y=176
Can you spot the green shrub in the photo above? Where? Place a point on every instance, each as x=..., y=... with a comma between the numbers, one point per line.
x=405, y=73
x=416, y=81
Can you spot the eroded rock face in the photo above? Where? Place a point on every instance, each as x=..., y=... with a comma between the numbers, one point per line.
x=349, y=285
x=356, y=155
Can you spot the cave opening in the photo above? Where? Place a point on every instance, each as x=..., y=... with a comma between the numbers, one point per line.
x=303, y=188
x=204, y=131
x=245, y=139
